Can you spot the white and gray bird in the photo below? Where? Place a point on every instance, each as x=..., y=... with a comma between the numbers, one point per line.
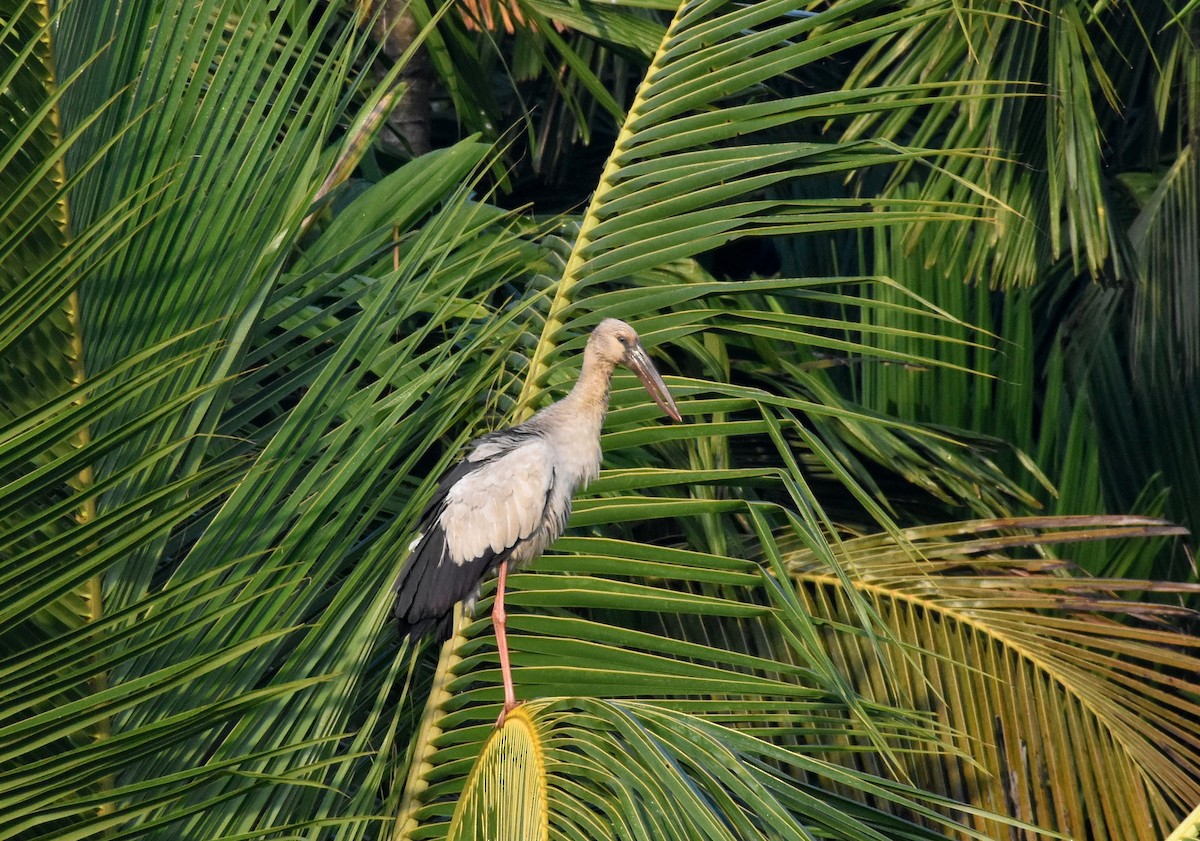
x=510, y=497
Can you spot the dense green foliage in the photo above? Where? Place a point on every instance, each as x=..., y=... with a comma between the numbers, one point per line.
x=916, y=565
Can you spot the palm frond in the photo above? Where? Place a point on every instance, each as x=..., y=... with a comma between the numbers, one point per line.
x=1189, y=829
x=1039, y=150
x=1045, y=677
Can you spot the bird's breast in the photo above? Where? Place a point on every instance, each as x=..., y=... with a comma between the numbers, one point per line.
x=579, y=462
x=576, y=463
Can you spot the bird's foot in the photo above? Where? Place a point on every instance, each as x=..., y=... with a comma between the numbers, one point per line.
x=508, y=707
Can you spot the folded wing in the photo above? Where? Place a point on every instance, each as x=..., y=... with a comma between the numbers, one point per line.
x=486, y=506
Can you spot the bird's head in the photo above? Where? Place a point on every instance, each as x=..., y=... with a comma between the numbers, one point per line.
x=616, y=343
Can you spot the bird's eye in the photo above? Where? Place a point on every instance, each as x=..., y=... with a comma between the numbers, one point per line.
x=624, y=340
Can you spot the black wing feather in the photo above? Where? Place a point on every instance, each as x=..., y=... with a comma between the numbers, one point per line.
x=430, y=584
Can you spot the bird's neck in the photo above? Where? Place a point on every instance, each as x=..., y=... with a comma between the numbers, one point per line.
x=589, y=397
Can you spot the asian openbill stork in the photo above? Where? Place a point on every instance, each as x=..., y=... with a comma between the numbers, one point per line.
x=510, y=497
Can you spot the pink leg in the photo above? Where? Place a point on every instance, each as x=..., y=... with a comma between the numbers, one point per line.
x=499, y=621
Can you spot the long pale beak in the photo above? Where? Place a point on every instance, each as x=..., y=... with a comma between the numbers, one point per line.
x=639, y=362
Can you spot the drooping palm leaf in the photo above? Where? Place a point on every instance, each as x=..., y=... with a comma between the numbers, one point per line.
x=267, y=627
x=1162, y=365
x=1040, y=144
x=1059, y=686
x=1093, y=190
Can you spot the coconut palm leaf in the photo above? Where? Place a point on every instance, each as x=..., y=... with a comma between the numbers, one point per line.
x=1077, y=361
x=253, y=624
x=1043, y=155
x=1033, y=669
x=1189, y=829
x=1163, y=361
x=674, y=775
